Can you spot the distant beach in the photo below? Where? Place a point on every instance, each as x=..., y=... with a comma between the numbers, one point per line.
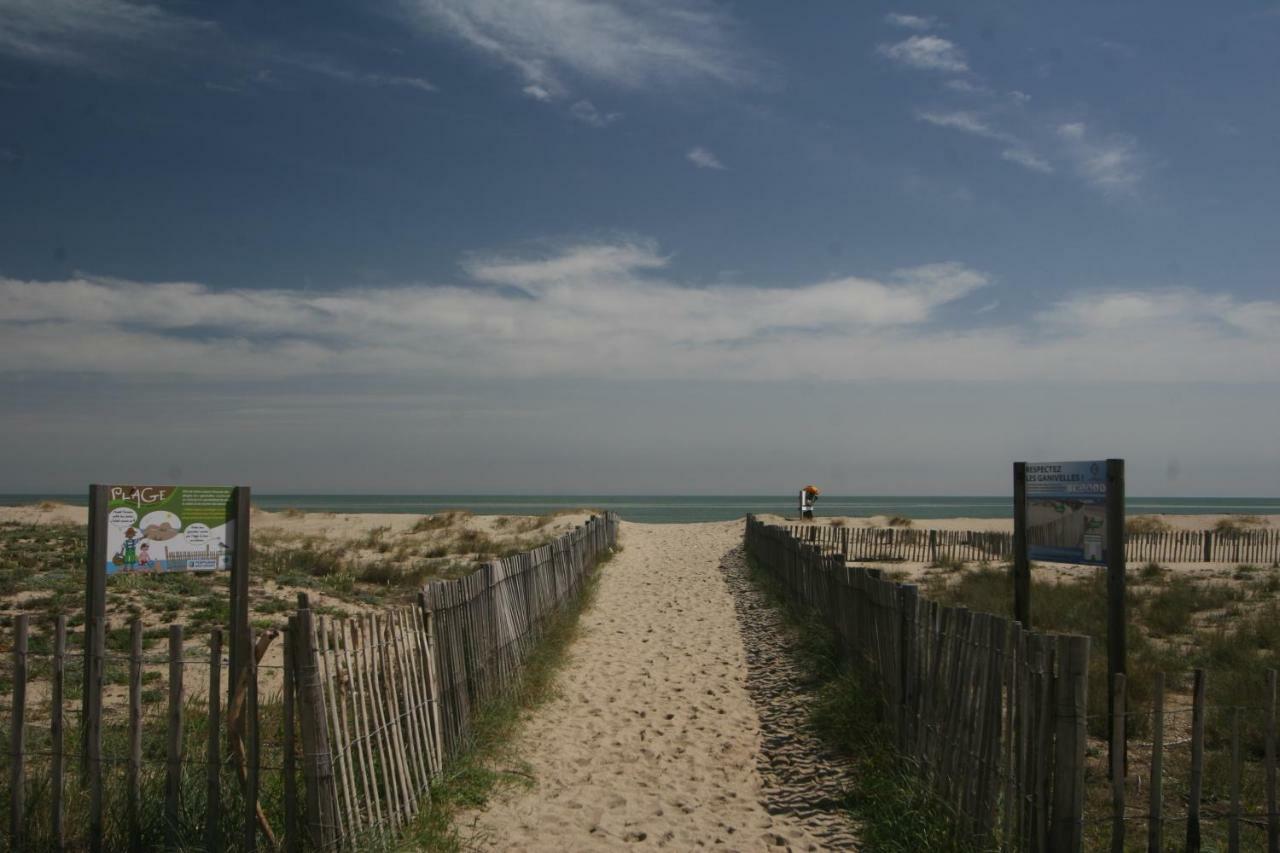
x=674, y=509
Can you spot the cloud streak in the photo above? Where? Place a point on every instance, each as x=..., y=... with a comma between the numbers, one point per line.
x=1110, y=163
x=627, y=45
x=926, y=53
x=613, y=309
x=336, y=71
x=703, y=158
x=911, y=22
x=1015, y=150
x=87, y=33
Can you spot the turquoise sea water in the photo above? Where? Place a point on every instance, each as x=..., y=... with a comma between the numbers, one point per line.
x=671, y=508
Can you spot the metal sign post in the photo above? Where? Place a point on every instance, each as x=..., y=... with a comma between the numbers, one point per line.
x=1117, y=618
x=1021, y=565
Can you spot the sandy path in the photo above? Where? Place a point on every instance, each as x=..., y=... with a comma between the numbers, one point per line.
x=653, y=740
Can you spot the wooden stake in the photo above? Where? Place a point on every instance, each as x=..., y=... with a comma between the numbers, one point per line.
x=1155, y=819
x=292, y=829
x=1197, y=764
x=18, y=735
x=1233, y=826
x=253, y=753
x=213, y=751
x=173, y=768
x=56, y=733
x=1117, y=762
x=1273, y=819
x=133, y=782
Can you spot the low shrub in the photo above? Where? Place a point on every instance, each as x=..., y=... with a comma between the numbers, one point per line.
x=1239, y=523
x=1141, y=524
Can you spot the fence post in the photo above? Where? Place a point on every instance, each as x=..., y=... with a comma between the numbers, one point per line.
x=17, y=734
x=56, y=731
x=1208, y=546
x=1155, y=817
x=317, y=764
x=1117, y=761
x=133, y=781
x=908, y=598
x=250, y=727
x=1273, y=819
x=1197, y=763
x=213, y=754
x=173, y=751
x=292, y=841
x=1071, y=736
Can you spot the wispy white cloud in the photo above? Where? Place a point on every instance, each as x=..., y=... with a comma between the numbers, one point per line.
x=88, y=33
x=1111, y=163
x=538, y=93
x=1015, y=150
x=967, y=87
x=928, y=53
x=586, y=112
x=1027, y=159
x=911, y=22
x=629, y=45
x=338, y=71
x=703, y=158
x=962, y=120
x=615, y=310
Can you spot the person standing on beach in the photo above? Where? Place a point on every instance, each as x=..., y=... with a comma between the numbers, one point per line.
x=808, y=497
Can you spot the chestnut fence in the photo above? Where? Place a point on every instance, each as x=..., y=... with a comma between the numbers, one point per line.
x=331, y=740
x=922, y=545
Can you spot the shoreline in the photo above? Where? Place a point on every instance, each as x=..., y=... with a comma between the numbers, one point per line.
x=321, y=522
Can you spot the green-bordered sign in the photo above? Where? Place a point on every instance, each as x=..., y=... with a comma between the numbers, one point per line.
x=169, y=528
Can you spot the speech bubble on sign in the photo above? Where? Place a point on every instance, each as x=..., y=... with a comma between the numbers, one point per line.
x=122, y=517
x=197, y=533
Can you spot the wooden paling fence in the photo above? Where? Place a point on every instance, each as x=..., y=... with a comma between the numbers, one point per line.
x=930, y=545
x=397, y=690
x=991, y=715
x=905, y=543
x=330, y=740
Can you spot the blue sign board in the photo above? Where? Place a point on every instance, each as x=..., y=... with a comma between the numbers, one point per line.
x=1067, y=512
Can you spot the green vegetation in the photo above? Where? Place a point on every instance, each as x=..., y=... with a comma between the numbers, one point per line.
x=948, y=564
x=190, y=826
x=900, y=521
x=1239, y=523
x=441, y=520
x=1140, y=524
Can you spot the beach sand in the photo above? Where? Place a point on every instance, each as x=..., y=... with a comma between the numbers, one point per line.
x=653, y=739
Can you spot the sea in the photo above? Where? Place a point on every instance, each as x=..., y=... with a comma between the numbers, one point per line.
x=674, y=509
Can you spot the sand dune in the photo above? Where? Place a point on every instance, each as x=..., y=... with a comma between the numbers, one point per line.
x=654, y=740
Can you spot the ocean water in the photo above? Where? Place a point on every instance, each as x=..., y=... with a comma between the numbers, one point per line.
x=676, y=508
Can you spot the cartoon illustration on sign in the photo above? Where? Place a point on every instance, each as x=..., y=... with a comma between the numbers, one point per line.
x=169, y=528
x=129, y=551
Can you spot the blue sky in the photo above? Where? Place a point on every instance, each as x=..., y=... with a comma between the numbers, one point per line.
x=359, y=236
